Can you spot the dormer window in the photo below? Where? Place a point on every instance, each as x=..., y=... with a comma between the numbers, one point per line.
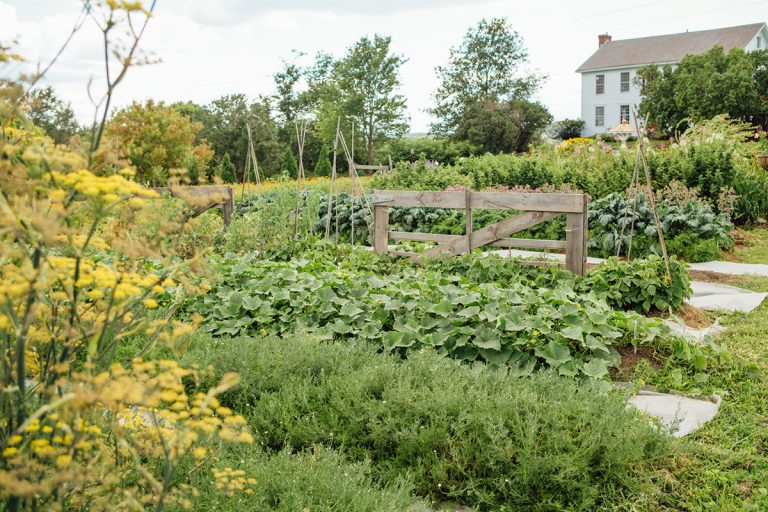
x=599, y=84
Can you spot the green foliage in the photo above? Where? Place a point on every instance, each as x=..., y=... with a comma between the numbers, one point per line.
x=421, y=175
x=224, y=126
x=432, y=149
x=703, y=86
x=518, y=325
x=52, y=114
x=568, y=128
x=483, y=69
x=319, y=479
x=502, y=126
x=472, y=435
x=323, y=166
x=226, y=170
x=158, y=139
x=642, y=285
x=609, y=214
x=288, y=165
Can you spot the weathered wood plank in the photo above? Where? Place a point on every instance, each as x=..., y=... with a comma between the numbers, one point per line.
x=403, y=254
x=371, y=167
x=575, y=246
x=419, y=198
x=420, y=237
x=529, y=243
x=563, y=203
x=380, y=228
x=489, y=234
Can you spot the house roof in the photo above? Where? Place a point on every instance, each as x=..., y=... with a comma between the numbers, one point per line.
x=668, y=48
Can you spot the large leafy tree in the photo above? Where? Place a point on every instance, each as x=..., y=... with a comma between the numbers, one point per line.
x=360, y=88
x=52, y=114
x=157, y=138
x=367, y=82
x=485, y=74
x=703, y=86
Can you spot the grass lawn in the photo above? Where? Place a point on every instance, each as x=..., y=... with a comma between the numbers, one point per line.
x=724, y=466
x=751, y=246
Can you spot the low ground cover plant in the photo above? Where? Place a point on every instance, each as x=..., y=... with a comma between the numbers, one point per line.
x=466, y=434
x=520, y=325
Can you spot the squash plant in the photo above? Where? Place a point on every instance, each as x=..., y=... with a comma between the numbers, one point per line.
x=521, y=326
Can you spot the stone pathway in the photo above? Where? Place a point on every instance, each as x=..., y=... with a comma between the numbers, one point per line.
x=721, y=297
x=680, y=414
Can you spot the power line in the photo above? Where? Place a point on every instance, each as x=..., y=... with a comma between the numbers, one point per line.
x=619, y=10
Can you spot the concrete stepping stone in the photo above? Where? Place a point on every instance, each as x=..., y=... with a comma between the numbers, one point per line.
x=680, y=414
x=721, y=297
x=694, y=334
x=732, y=268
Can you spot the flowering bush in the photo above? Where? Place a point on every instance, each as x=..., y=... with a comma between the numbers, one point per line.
x=761, y=138
x=77, y=429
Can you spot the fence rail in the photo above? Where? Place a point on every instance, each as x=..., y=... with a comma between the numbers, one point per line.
x=205, y=197
x=534, y=209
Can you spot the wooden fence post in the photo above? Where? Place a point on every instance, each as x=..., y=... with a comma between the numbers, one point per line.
x=576, y=240
x=380, y=229
x=228, y=206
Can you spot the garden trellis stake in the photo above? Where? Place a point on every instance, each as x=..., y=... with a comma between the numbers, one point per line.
x=634, y=189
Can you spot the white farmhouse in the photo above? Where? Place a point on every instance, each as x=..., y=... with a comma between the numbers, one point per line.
x=608, y=91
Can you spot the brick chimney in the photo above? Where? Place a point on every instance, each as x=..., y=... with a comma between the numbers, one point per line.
x=602, y=39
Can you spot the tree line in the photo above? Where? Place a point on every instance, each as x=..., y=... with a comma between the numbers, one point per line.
x=484, y=101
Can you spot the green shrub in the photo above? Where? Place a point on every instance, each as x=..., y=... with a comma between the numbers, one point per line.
x=471, y=435
x=288, y=165
x=421, y=175
x=694, y=249
x=438, y=150
x=323, y=166
x=641, y=285
x=319, y=480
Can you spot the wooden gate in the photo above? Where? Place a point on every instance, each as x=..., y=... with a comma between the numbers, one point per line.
x=535, y=208
x=204, y=197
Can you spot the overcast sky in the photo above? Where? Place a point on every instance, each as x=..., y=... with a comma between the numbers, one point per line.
x=208, y=48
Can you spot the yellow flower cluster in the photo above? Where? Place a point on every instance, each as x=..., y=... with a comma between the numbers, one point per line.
x=569, y=145
x=107, y=189
x=233, y=480
x=142, y=411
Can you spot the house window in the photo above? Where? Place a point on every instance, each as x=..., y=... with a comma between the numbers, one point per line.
x=624, y=114
x=625, y=81
x=759, y=42
x=599, y=116
x=599, y=84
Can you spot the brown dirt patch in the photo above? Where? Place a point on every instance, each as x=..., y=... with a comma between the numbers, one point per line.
x=693, y=316
x=690, y=315
x=713, y=277
x=630, y=358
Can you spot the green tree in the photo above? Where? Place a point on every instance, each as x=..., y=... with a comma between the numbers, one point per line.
x=51, y=114
x=703, y=86
x=568, y=128
x=360, y=88
x=226, y=169
x=288, y=166
x=323, y=166
x=486, y=66
x=502, y=127
x=224, y=127
x=157, y=138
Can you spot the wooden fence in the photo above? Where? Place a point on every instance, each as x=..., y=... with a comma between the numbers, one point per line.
x=204, y=198
x=536, y=208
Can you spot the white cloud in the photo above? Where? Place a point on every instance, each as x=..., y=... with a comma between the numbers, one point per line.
x=209, y=49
